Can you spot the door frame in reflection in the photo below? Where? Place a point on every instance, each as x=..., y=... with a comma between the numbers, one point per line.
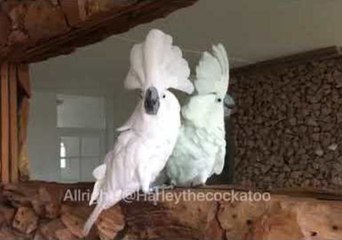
x=81, y=133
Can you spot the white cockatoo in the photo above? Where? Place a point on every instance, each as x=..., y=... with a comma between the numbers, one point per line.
x=201, y=146
x=147, y=139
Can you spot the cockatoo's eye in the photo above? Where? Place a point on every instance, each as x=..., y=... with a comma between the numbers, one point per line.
x=164, y=96
x=219, y=100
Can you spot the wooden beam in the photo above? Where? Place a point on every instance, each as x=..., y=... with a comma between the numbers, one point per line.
x=213, y=212
x=46, y=30
x=5, y=125
x=13, y=108
x=281, y=217
x=295, y=59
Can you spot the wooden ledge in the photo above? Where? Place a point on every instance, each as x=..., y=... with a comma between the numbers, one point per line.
x=38, y=209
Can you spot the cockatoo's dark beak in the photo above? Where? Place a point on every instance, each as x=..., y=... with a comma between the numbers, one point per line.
x=151, y=102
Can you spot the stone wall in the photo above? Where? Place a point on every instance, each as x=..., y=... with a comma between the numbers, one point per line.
x=287, y=126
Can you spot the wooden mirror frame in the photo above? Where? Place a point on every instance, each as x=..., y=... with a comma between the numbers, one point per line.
x=32, y=31
x=15, y=95
x=35, y=30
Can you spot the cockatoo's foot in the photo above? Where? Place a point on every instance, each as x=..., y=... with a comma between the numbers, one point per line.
x=145, y=189
x=156, y=190
x=162, y=187
x=198, y=185
x=199, y=181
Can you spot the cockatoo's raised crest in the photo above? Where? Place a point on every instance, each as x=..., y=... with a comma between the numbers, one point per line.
x=156, y=62
x=212, y=72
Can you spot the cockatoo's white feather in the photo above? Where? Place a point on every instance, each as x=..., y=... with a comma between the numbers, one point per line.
x=99, y=175
x=136, y=75
x=157, y=59
x=212, y=72
x=147, y=139
x=201, y=145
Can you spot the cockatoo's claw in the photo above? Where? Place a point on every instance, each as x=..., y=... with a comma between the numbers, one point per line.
x=162, y=187
x=167, y=187
x=198, y=185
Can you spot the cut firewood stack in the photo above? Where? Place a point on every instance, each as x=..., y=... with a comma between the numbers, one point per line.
x=287, y=125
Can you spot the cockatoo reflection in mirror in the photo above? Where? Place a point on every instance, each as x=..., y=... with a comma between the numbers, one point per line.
x=201, y=145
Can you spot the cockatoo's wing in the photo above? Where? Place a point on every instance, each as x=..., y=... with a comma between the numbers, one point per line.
x=212, y=72
x=99, y=172
x=157, y=62
x=105, y=176
x=99, y=175
x=220, y=158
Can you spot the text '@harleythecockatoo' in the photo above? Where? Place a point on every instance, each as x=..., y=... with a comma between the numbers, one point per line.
x=201, y=146
x=147, y=139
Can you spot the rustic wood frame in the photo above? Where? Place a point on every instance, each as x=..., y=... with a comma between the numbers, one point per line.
x=14, y=77
x=20, y=45
x=32, y=31
x=35, y=30
x=5, y=135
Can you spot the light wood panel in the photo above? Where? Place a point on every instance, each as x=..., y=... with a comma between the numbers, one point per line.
x=5, y=134
x=24, y=87
x=13, y=121
x=14, y=96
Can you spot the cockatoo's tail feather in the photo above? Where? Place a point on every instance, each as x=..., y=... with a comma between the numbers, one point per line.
x=92, y=219
x=156, y=62
x=212, y=72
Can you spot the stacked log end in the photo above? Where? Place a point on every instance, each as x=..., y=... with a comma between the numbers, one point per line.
x=287, y=126
x=37, y=210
